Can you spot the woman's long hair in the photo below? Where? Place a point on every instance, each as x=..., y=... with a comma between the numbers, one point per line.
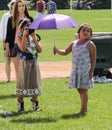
x=15, y=16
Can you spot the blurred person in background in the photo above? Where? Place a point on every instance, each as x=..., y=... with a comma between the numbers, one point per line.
x=40, y=8
x=51, y=7
x=3, y=29
x=20, y=11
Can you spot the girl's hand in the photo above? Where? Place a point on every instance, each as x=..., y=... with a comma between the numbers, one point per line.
x=54, y=50
x=7, y=52
x=91, y=73
x=25, y=32
x=33, y=35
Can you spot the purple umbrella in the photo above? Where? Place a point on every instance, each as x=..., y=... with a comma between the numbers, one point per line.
x=53, y=21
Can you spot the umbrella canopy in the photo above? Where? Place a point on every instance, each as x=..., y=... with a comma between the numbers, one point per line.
x=53, y=21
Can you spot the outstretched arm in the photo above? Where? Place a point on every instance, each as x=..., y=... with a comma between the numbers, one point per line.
x=64, y=51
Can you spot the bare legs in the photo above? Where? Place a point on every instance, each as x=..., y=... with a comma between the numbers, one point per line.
x=16, y=62
x=20, y=98
x=8, y=68
x=84, y=100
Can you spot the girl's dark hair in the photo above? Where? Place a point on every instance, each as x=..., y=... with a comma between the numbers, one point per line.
x=23, y=22
x=82, y=25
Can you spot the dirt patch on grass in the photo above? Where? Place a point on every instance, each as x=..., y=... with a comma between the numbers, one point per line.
x=48, y=70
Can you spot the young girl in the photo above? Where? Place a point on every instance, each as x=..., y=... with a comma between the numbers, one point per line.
x=83, y=63
x=29, y=80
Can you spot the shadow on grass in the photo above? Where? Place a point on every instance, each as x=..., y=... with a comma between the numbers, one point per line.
x=77, y=115
x=7, y=96
x=28, y=120
x=16, y=114
x=4, y=82
x=35, y=120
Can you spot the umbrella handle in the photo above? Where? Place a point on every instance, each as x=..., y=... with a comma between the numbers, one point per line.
x=54, y=38
x=54, y=50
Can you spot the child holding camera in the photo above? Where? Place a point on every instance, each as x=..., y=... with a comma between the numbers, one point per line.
x=29, y=79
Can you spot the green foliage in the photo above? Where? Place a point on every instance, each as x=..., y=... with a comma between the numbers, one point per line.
x=59, y=106
x=62, y=37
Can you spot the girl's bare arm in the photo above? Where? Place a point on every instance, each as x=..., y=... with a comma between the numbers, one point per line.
x=92, y=50
x=64, y=51
x=39, y=49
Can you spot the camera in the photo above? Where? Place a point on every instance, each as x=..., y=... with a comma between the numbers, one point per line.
x=30, y=30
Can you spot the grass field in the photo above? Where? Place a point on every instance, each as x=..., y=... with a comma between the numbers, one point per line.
x=59, y=105
x=100, y=20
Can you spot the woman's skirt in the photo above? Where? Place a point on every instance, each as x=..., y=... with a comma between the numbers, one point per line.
x=29, y=79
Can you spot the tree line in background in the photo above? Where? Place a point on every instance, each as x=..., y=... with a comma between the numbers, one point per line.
x=64, y=4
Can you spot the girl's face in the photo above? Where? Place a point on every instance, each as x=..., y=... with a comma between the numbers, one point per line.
x=85, y=32
x=21, y=7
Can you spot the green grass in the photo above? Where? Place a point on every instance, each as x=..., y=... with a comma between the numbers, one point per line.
x=59, y=105
x=57, y=101
x=100, y=20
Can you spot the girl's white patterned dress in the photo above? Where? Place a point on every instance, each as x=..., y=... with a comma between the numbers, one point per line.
x=81, y=64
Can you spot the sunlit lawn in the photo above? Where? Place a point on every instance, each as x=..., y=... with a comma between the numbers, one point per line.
x=59, y=105
x=100, y=20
